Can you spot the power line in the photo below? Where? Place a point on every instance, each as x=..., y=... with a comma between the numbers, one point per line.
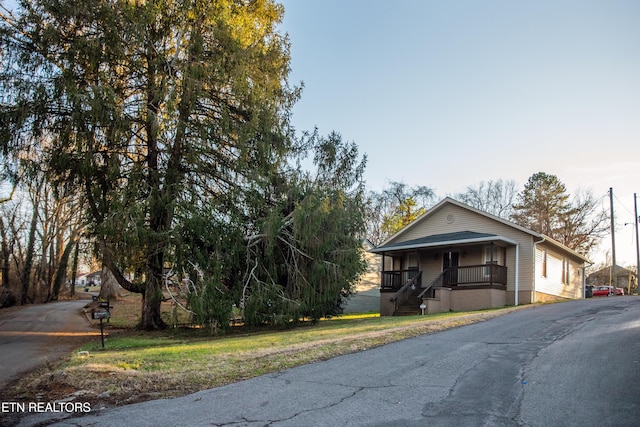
x=621, y=203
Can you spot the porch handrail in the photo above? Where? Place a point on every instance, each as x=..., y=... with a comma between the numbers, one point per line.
x=469, y=274
x=431, y=285
x=476, y=274
x=393, y=280
x=400, y=296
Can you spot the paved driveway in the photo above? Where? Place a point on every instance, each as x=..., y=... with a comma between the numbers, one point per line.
x=31, y=335
x=573, y=363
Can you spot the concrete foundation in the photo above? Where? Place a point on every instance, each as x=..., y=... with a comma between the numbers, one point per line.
x=461, y=299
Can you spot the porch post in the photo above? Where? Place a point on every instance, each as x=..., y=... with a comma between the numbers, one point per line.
x=517, y=283
x=491, y=265
x=383, y=271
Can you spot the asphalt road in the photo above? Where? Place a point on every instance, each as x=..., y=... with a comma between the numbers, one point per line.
x=34, y=334
x=569, y=364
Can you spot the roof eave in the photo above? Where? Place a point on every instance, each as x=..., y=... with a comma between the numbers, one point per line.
x=394, y=248
x=566, y=249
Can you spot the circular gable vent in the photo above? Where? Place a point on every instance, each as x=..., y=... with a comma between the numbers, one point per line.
x=450, y=219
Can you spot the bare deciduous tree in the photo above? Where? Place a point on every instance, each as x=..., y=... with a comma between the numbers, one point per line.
x=494, y=197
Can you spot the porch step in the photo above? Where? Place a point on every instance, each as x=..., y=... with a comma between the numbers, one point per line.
x=412, y=306
x=407, y=311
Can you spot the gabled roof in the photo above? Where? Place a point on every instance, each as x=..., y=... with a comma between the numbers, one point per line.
x=367, y=244
x=619, y=270
x=459, y=238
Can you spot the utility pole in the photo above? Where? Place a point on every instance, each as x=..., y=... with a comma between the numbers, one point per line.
x=637, y=219
x=614, y=275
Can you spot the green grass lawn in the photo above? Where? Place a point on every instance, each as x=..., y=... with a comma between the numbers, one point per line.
x=136, y=366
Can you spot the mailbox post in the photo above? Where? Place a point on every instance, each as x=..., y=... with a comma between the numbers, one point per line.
x=100, y=314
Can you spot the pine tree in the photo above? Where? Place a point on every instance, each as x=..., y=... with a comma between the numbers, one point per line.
x=545, y=206
x=306, y=253
x=155, y=110
x=542, y=204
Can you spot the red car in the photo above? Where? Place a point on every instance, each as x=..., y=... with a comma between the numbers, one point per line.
x=605, y=291
x=601, y=291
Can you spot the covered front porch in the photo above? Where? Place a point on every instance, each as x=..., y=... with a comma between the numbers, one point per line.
x=453, y=276
x=448, y=272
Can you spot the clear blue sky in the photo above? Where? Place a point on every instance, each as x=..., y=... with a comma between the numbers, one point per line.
x=450, y=93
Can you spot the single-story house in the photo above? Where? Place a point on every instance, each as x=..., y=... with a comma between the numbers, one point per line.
x=81, y=279
x=626, y=279
x=456, y=258
x=90, y=279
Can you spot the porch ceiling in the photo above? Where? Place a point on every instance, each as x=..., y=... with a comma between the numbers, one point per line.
x=442, y=240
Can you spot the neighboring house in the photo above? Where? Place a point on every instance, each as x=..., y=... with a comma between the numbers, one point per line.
x=457, y=258
x=94, y=279
x=81, y=280
x=627, y=279
x=91, y=279
x=367, y=290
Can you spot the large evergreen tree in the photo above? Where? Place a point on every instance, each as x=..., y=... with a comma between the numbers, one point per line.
x=542, y=203
x=163, y=113
x=305, y=253
x=545, y=206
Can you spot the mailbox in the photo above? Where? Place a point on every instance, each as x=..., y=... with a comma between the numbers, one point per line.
x=100, y=314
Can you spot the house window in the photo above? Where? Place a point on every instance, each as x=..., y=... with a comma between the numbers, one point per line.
x=491, y=255
x=412, y=261
x=544, y=263
x=565, y=271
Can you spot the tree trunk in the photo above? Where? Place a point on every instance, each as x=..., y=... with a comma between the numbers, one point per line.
x=25, y=277
x=61, y=273
x=5, y=256
x=74, y=271
x=151, y=299
x=109, y=286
